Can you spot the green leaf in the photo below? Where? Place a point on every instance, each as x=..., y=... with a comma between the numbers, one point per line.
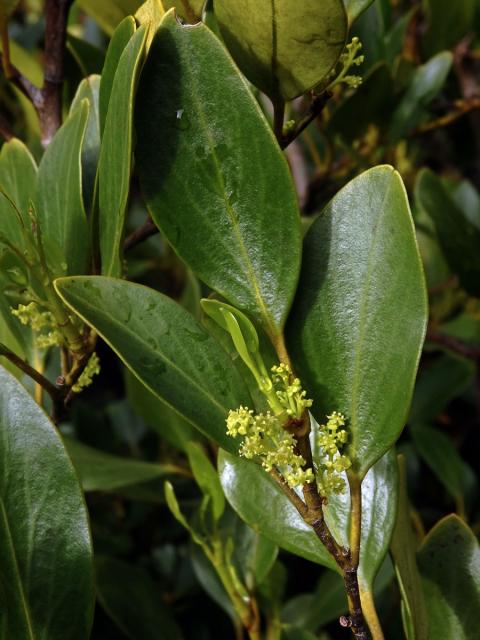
x=150, y=14
x=100, y=471
x=444, y=380
x=284, y=47
x=18, y=179
x=60, y=210
x=256, y=498
x=361, y=295
x=214, y=179
x=457, y=236
x=109, y=13
x=174, y=507
x=89, y=89
x=403, y=548
x=355, y=7
x=169, y=424
x=115, y=164
x=449, y=562
x=46, y=573
x=164, y=346
x=448, y=22
x=206, y=477
x=440, y=454
x=244, y=337
x=116, y=47
x=426, y=83
x=134, y=601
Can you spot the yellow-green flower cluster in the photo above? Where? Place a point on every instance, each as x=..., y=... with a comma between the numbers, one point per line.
x=347, y=60
x=289, y=391
x=41, y=322
x=86, y=377
x=330, y=439
x=265, y=438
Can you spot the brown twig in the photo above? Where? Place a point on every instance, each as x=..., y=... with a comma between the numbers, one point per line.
x=33, y=93
x=311, y=511
x=50, y=113
x=468, y=351
x=461, y=108
x=47, y=101
x=56, y=393
x=314, y=110
x=140, y=234
x=5, y=129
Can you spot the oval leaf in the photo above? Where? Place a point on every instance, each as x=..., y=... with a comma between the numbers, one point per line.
x=458, y=237
x=46, y=573
x=115, y=163
x=257, y=499
x=284, y=47
x=118, y=42
x=100, y=471
x=449, y=562
x=60, y=209
x=360, y=314
x=213, y=175
x=164, y=346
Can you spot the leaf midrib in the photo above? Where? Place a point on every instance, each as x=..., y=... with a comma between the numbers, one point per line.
x=363, y=312
x=231, y=213
x=20, y=589
x=144, y=343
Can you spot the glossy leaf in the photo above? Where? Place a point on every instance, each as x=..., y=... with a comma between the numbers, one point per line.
x=100, y=471
x=284, y=47
x=361, y=294
x=134, y=601
x=164, y=346
x=403, y=549
x=89, y=89
x=449, y=562
x=206, y=477
x=213, y=176
x=190, y=10
x=115, y=164
x=258, y=500
x=355, y=8
x=457, y=236
x=18, y=180
x=46, y=574
x=116, y=47
x=157, y=415
x=440, y=454
x=60, y=210
x=428, y=79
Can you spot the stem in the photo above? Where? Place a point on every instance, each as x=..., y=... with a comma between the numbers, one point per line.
x=316, y=107
x=247, y=611
x=53, y=391
x=278, y=118
x=356, y=517
x=50, y=112
x=370, y=614
x=140, y=234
